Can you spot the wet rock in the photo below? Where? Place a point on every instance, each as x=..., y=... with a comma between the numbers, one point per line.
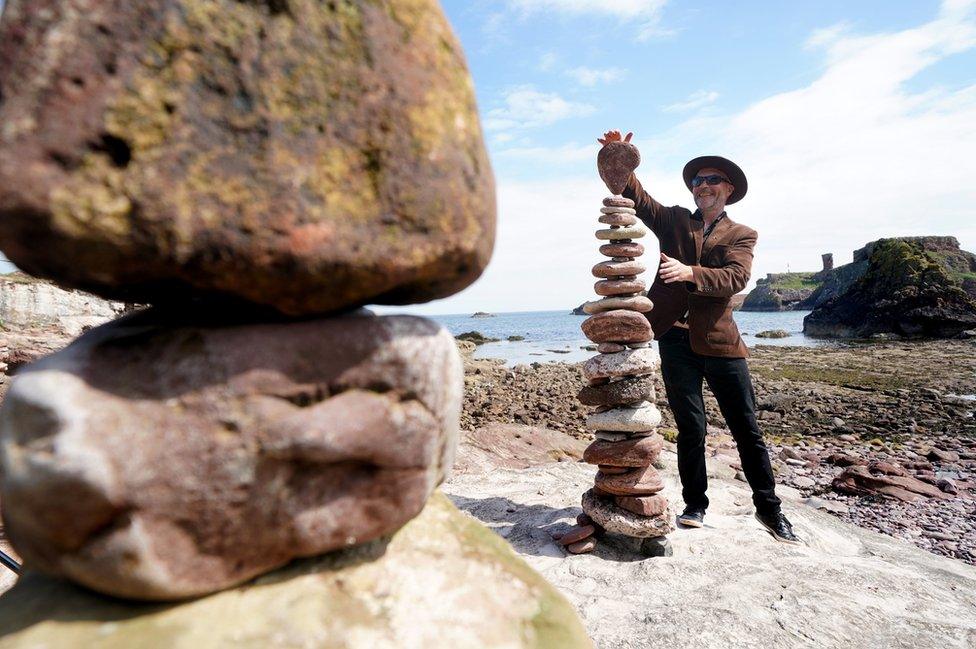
x=306, y=160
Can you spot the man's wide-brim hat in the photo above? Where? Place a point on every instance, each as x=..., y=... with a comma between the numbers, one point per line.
x=727, y=167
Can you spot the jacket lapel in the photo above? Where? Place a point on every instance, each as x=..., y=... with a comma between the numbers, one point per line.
x=721, y=229
x=697, y=229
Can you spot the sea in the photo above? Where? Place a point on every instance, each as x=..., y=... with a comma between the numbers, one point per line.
x=556, y=335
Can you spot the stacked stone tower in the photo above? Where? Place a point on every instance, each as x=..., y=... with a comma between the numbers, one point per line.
x=626, y=496
x=256, y=171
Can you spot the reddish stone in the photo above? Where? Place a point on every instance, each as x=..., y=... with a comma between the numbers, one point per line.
x=618, y=268
x=583, y=519
x=619, y=286
x=582, y=547
x=618, y=326
x=633, y=452
x=617, y=201
x=616, y=161
x=577, y=533
x=618, y=219
x=618, y=249
x=643, y=481
x=609, y=469
x=644, y=505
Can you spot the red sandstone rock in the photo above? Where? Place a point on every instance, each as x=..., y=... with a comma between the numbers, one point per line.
x=633, y=452
x=618, y=326
x=643, y=481
x=643, y=505
x=157, y=460
x=618, y=268
x=616, y=161
x=631, y=249
x=576, y=534
x=308, y=160
x=619, y=286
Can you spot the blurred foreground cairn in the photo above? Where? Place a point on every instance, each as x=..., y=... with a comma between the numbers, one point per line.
x=256, y=171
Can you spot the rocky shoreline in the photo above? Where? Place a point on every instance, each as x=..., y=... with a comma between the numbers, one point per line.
x=881, y=435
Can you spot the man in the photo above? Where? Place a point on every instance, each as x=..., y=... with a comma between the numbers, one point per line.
x=706, y=258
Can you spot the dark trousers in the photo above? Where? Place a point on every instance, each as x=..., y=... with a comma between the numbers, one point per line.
x=729, y=381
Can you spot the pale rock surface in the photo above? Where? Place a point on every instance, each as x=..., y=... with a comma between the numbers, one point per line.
x=29, y=302
x=443, y=580
x=729, y=584
x=157, y=459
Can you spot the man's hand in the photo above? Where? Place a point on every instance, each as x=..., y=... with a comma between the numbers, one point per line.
x=613, y=136
x=672, y=270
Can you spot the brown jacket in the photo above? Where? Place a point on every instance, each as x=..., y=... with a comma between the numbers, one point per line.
x=721, y=268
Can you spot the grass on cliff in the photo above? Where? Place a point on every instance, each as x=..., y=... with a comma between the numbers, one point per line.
x=794, y=281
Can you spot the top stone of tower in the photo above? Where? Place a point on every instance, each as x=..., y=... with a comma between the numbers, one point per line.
x=301, y=155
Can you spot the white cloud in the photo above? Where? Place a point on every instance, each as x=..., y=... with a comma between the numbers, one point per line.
x=592, y=76
x=527, y=107
x=695, y=100
x=858, y=154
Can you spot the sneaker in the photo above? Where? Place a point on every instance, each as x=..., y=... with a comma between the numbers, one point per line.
x=691, y=517
x=779, y=527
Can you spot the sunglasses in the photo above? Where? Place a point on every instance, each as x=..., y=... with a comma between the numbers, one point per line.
x=711, y=180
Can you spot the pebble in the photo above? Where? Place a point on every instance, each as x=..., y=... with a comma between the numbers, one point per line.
x=642, y=481
x=609, y=348
x=617, y=326
x=634, y=303
x=647, y=417
x=575, y=534
x=630, y=451
x=617, y=201
x=629, y=232
x=631, y=249
x=633, y=362
x=610, y=287
x=618, y=219
x=614, y=209
x=582, y=547
x=616, y=268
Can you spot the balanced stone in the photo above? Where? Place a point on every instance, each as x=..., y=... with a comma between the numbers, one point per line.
x=617, y=268
x=610, y=436
x=617, y=210
x=618, y=219
x=577, y=533
x=293, y=155
x=616, y=161
x=619, y=286
x=642, y=481
x=613, y=518
x=158, y=459
x=629, y=232
x=617, y=201
x=640, y=388
x=619, y=249
x=633, y=362
x=582, y=547
x=626, y=419
x=634, y=303
x=617, y=326
x=609, y=348
x=643, y=505
x=610, y=469
x=633, y=452
x=637, y=345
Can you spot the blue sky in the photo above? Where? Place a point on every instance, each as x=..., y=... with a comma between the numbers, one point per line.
x=853, y=121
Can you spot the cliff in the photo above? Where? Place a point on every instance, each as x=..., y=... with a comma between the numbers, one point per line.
x=911, y=286
x=782, y=291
